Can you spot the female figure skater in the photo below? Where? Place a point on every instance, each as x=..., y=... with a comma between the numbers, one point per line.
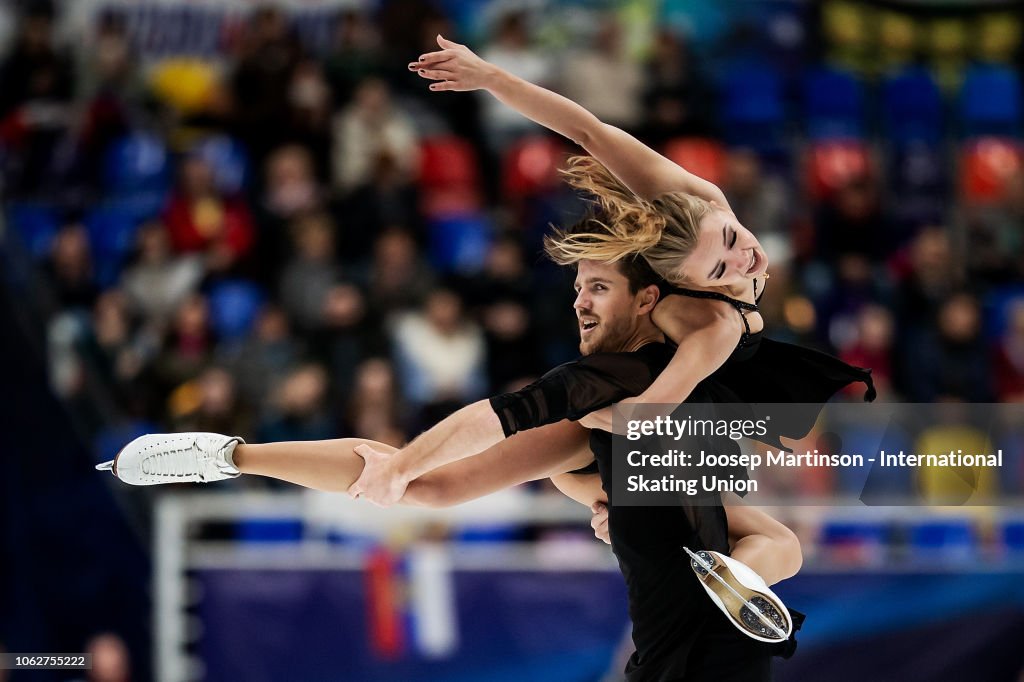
x=684, y=228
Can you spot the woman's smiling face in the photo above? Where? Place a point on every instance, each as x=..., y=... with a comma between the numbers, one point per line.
x=727, y=253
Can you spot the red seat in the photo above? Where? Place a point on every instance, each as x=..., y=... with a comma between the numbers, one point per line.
x=449, y=176
x=531, y=167
x=445, y=161
x=830, y=165
x=704, y=158
x=986, y=164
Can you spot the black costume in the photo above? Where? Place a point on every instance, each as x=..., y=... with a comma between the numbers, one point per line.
x=678, y=632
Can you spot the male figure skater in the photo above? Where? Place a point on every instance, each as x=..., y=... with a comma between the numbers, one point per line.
x=678, y=632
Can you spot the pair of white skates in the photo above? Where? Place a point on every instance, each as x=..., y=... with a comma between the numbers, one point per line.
x=737, y=590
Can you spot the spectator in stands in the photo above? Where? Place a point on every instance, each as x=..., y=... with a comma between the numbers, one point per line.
x=387, y=198
x=995, y=237
x=119, y=355
x=369, y=127
x=348, y=333
x=502, y=297
x=374, y=408
x=1008, y=360
x=110, y=659
x=112, y=92
x=399, y=278
x=511, y=49
x=201, y=219
x=300, y=409
x=70, y=268
x=309, y=113
x=211, y=403
x=311, y=272
x=931, y=278
x=440, y=354
x=676, y=101
x=290, y=189
x=761, y=201
x=952, y=363
x=261, y=81
x=107, y=62
x=585, y=77
x=159, y=281
x=856, y=284
x=35, y=100
x=872, y=348
x=264, y=357
x=852, y=222
x=290, y=184
x=188, y=344
x=354, y=56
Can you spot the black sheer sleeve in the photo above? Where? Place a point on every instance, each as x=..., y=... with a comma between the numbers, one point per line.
x=577, y=388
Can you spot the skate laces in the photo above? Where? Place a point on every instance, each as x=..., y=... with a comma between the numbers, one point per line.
x=180, y=463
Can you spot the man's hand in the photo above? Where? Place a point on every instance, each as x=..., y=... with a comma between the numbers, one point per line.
x=455, y=67
x=379, y=482
x=599, y=522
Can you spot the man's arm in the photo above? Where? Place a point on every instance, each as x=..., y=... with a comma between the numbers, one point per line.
x=527, y=456
x=470, y=430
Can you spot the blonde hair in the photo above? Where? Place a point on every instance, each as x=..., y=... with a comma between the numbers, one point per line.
x=664, y=230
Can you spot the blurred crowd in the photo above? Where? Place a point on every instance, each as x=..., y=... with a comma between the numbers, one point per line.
x=286, y=243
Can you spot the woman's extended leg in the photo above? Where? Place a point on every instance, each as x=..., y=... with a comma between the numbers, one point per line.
x=333, y=465
x=328, y=465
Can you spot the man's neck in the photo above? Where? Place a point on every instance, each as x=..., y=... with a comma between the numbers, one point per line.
x=642, y=336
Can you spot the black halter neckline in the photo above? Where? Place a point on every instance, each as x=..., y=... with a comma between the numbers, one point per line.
x=742, y=307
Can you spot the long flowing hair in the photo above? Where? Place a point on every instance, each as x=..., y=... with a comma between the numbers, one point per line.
x=664, y=230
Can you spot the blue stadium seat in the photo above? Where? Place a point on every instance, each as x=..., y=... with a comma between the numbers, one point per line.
x=752, y=106
x=229, y=161
x=497, y=532
x=35, y=224
x=1013, y=536
x=990, y=102
x=855, y=542
x=833, y=103
x=912, y=108
x=781, y=28
x=234, y=305
x=137, y=163
x=952, y=539
x=919, y=183
x=269, y=530
x=112, y=230
x=460, y=243
x=997, y=306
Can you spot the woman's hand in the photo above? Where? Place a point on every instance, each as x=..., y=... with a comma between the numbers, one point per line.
x=603, y=419
x=599, y=522
x=456, y=68
x=600, y=419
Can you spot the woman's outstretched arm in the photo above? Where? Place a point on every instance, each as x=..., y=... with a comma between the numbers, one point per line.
x=646, y=172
